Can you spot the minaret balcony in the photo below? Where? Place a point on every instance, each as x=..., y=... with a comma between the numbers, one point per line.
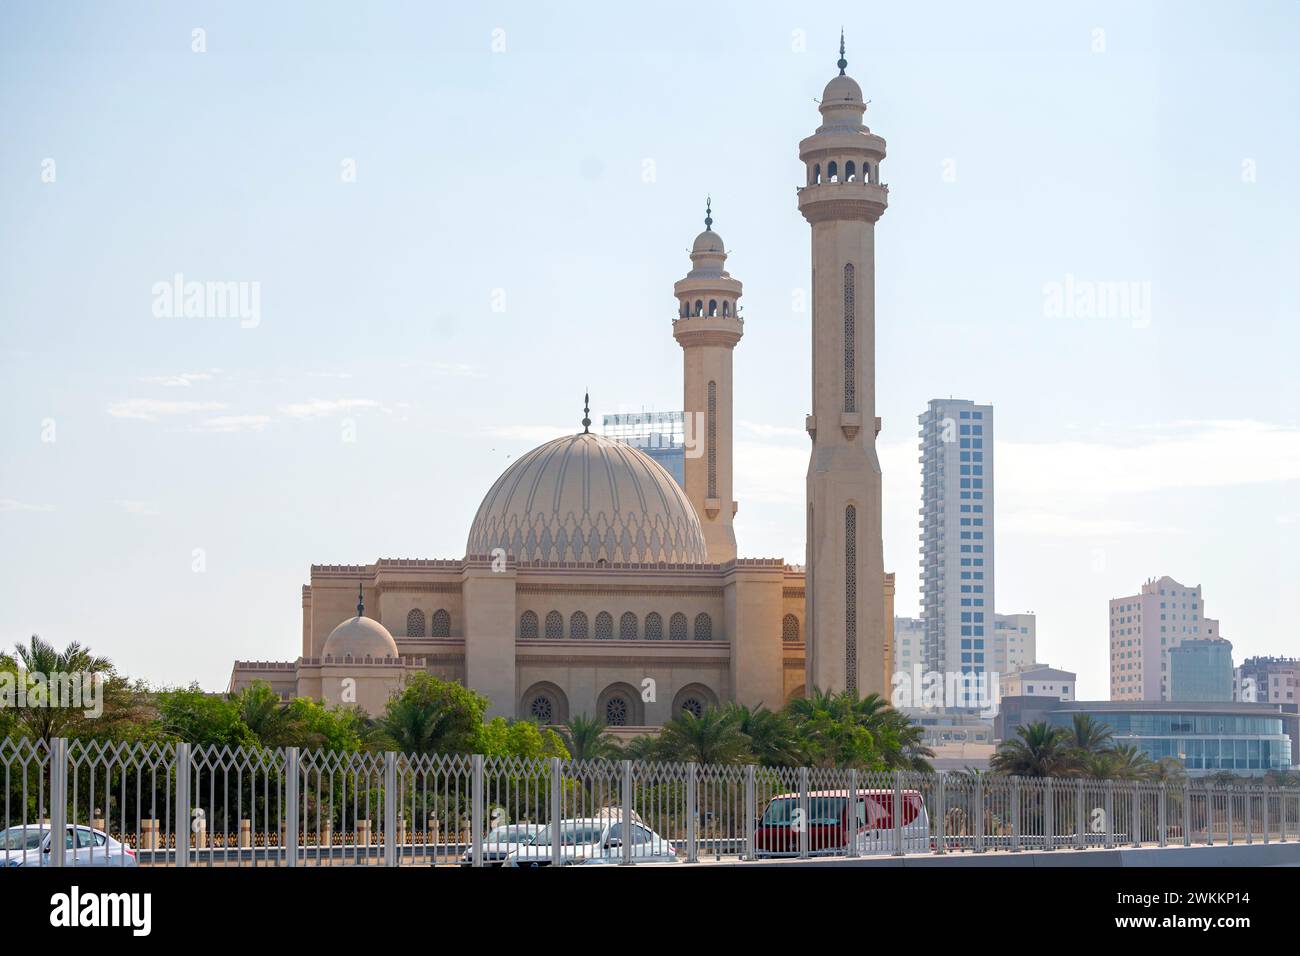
x=719, y=330
x=858, y=200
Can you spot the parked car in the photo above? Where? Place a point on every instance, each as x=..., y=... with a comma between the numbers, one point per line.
x=828, y=825
x=83, y=846
x=595, y=840
x=501, y=842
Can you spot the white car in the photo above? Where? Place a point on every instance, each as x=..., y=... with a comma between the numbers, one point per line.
x=595, y=840
x=501, y=842
x=83, y=846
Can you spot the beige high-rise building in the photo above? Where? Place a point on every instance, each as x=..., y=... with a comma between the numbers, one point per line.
x=842, y=199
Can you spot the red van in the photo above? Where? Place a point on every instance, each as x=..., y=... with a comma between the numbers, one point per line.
x=828, y=826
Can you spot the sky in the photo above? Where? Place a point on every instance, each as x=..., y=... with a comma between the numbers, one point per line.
x=456, y=221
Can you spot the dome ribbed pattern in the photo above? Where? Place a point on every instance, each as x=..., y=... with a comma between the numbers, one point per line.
x=588, y=498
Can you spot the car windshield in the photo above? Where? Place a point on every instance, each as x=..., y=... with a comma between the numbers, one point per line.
x=514, y=834
x=571, y=834
x=16, y=838
x=821, y=810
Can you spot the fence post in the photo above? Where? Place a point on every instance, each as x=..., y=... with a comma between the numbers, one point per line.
x=182, y=800
x=291, y=800
x=390, y=808
x=1230, y=791
x=1209, y=816
x=1163, y=822
x=692, y=817
x=1015, y=814
x=1080, y=816
x=1110, y=814
x=1135, y=815
x=898, y=813
x=627, y=812
x=941, y=814
x=58, y=800
x=979, y=813
x=851, y=817
x=1247, y=822
x=557, y=808
x=751, y=810
x=803, y=813
x=1049, y=815
x=476, y=810
x=1187, y=812
x=1264, y=807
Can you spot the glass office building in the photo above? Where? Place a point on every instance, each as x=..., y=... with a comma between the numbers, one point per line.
x=661, y=435
x=1206, y=738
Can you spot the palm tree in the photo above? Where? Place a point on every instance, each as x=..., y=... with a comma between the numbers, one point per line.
x=1130, y=763
x=714, y=737
x=1039, y=750
x=644, y=747
x=585, y=738
x=41, y=658
x=267, y=716
x=772, y=737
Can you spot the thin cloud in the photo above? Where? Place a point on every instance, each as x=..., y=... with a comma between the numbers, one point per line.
x=232, y=423
x=144, y=508
x=11, y=504
x=150, y=410
x=321, y=407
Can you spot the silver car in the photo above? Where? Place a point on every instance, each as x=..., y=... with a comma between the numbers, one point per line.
x=595, y=840
x=503, y=841
x=83, y=846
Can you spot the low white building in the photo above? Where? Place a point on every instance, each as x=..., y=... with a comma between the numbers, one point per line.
x=1039, y=680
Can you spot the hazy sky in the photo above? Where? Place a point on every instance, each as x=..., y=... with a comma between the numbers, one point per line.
x=528, y=179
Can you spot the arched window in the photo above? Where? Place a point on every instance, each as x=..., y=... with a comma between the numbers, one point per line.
x=677, y=627
x=604, y=626
x=703, y=627
x=850, y=172
x=620, y=705
x=441, y=624
x=790, y=628
x=832, y=172
x=850, y=341
x=554, y=625
x=542, y=709
x=654, y=627
x=713, y=308
x=617, y=710
x=851, y=599
x=693, y=706
x=627, y=627
x=578, y=626
x=686, y=307
x=817, y=174
x=699, y=306
x=711, y=439
x=415, y=623
x=694, y=699
x=726, y=308
x=528, y=625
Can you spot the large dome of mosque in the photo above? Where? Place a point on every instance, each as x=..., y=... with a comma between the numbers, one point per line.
x=588, y=498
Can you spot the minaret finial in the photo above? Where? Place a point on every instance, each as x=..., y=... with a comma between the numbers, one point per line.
x=361, y=602
x=842, y=62
x=586, y=413
x=708, y=214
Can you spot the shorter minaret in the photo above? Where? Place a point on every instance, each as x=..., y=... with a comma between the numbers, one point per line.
x=707, y=327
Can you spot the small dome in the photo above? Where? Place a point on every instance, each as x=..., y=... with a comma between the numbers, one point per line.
x=842, y=90
x=588, y=498
x=708, y=242
x=359, y=637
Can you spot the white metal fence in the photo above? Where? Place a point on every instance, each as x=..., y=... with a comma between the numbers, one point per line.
x=184, y=805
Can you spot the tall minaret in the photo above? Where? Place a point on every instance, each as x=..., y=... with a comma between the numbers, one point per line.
x=708, y=327
x=843, y=198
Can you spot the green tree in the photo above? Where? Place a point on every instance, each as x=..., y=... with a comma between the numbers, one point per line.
x=430, y=716
x=518, y=738
x=196, y=717
x=37, y=665
x=586, y=738
x=714, y=737
x=267, y=717
x=1038, y=750
x=772, y=738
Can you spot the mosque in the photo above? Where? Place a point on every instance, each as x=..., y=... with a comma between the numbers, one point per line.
x=593, y=583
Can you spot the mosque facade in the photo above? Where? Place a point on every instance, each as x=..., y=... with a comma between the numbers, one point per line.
x=593, y=583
